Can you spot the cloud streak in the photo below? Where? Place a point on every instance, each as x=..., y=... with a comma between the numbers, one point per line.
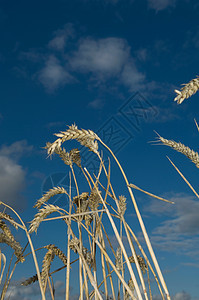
x=12, y=174
x=61, y=36
x=179, y=232
x=53, y=74
x=161, y=4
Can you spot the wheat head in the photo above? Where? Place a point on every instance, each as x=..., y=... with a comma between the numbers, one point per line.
x=192, y=155
x=187, y=91
x=41, y=215
x=86, y=138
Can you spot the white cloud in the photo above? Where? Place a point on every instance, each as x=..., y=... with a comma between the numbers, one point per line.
x=12, y=174
x=131, y=77
x=96, y=103
x=61, y=36
x=103, y=57
x=16, y=150
x=54, y=75
x=178, y=296
x=32, y=292
x=101, y=60
x=108, y=58
x=182, y=296
x=179, y=232
x=161, y=4
x=142, y=54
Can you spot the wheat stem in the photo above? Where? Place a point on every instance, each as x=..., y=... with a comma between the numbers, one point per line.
x=141, y=224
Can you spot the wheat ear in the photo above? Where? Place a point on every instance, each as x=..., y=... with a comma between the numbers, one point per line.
x=187, y=91
x=30, y=280
x=192, y=155
x=86, y=138
x=41, y=215
x=8, y=218
x=49, y=194
x=48, y=258
x=14, y=245
x=58, y=253
x=6, y=230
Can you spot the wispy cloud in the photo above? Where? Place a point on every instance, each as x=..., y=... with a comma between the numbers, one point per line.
x=32, y=292
x=161, y=4
x=108, y=58
x=178, y=296
x=179, y=232
x=103, y=57
x=182, y=296
x=104, y=62
x=12, y=174
x=61, y=37
x=53, y=74
x=99, y=59
x=96, y=103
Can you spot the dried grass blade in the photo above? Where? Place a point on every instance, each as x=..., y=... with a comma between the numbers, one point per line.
x=152, y=195
x=196, y=124
x=187, y=182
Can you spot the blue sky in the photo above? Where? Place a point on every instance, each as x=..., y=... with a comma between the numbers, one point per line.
x=110, y=66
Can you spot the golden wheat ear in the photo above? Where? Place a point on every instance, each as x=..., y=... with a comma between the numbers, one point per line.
x=187, y=91
x=192, y=155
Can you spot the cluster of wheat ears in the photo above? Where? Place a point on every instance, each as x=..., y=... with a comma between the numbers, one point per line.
x=104, y=272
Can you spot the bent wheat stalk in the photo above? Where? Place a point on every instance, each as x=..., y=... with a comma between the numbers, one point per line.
x=32, y=249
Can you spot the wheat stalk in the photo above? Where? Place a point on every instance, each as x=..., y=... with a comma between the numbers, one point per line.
x=187, y=91
x=2, y=259
x=192, y=155
x=152, y=195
